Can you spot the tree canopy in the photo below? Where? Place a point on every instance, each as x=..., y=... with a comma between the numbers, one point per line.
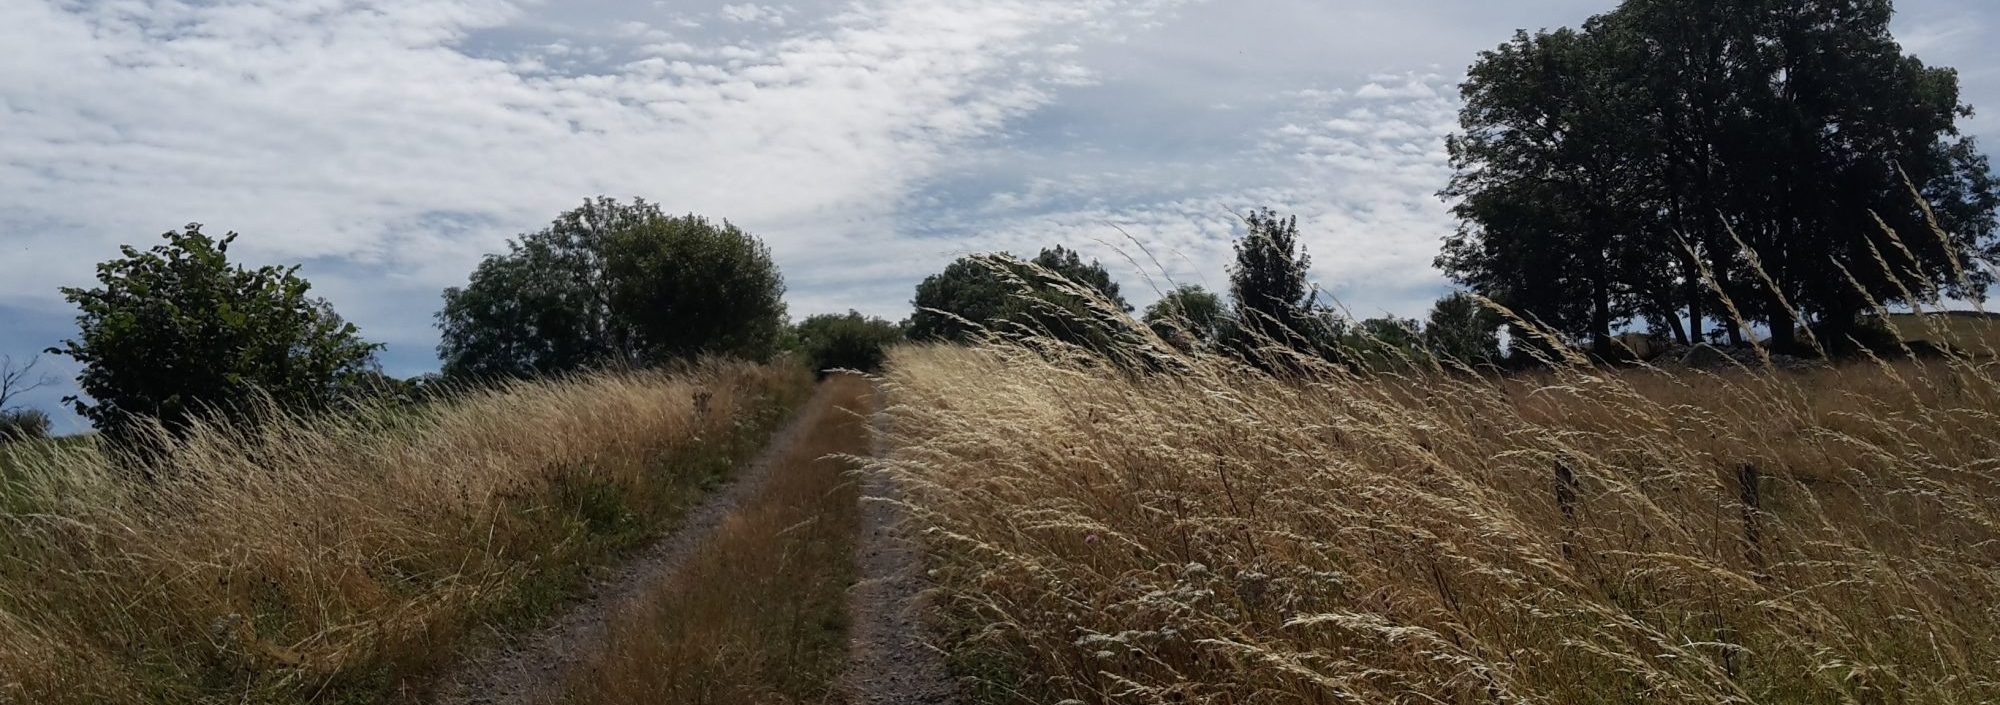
x=611, y=283
x=1462, y=329
x=1673, y=152
x=178, y=331
x=847, y=341
x=1269, y=278
x=1189, y=316
x=994, y=292
x=689, y=287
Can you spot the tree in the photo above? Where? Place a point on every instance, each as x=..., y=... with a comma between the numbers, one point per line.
x=544, y=306
x=1543, y=182
x=1047, y=294
x=1673, y=148
x=846, y=342
x=1384, y=344
x=1189, y=316
x=176, y=332
x=689, y=287
x=1275, y=303
x=1462, y=329
x=17, y=424
x=18, y=380
x=1268, y=280
x=612, y=284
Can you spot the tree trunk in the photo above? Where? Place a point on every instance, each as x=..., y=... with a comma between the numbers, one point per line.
x=1696, y=290
x=1600, y=312
x=1784, y=336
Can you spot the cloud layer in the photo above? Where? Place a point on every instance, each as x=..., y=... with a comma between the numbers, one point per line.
x=388, y=144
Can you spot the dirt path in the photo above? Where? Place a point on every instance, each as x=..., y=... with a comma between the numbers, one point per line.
x=889, y=661
x=531, y=668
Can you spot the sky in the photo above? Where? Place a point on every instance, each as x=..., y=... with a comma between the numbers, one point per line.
x=386, y=145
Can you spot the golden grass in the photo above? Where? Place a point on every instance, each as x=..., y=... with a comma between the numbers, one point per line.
x=346, y=558
x=1974, y=333
x=759, y=614
x=1219, y=536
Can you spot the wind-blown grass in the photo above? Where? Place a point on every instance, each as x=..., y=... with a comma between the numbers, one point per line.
x=347, y=557
x=1216, y=535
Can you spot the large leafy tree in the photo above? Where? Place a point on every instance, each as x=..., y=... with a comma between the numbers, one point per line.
x=177, y=331
x=1050, y=294
x=544, y=306
x=690, y=287
x=1269, y=281
x=1542, y=198
x=609, y=284
x=1462, y=329
x=1673, y=148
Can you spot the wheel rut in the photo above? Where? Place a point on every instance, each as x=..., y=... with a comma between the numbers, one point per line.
x=891, y=660
x=531, y=669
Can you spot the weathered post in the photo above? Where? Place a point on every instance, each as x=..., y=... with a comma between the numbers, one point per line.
x=1749, y=482
x=1566, y=503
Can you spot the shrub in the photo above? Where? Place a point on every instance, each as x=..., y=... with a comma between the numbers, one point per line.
x=23, y=425
x=178, y=332
x=610, y=285
x=847, y=341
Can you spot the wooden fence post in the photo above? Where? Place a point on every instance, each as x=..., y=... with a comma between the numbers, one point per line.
x=1748, y=485
x=1566, y=502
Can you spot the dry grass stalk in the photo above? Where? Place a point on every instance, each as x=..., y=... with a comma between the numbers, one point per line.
x=347, y=556
x=1213, y=535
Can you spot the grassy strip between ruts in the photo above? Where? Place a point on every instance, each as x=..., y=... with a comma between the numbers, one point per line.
x=759, y=614
x=346, y=559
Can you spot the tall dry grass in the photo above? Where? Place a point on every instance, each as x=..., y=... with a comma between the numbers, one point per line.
x=758, y=615
x=1214, y=535
x=344, y=558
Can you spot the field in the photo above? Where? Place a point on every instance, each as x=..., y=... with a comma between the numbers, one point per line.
x=1581, y=536
x=346, y=558
x=1974, y=333
x=1184, y=531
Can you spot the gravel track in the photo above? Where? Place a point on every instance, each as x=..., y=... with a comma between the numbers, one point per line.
x=890, y=662
x=531, y=669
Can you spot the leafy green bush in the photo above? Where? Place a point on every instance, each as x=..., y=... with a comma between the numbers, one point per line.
x=846, y=342
x=178, y=332
x=610, y=285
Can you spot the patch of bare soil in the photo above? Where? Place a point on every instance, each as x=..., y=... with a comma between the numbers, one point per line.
x=530, y=669
x=890, y=660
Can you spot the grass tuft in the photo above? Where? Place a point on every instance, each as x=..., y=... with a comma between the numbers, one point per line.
x=347, y=558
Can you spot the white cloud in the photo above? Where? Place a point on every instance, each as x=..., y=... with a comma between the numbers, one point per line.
x=753, y=13
x=389, y=143
x=1362, y=185
x=325, y=130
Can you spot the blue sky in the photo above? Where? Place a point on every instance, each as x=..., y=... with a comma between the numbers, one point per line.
x=387, y=144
